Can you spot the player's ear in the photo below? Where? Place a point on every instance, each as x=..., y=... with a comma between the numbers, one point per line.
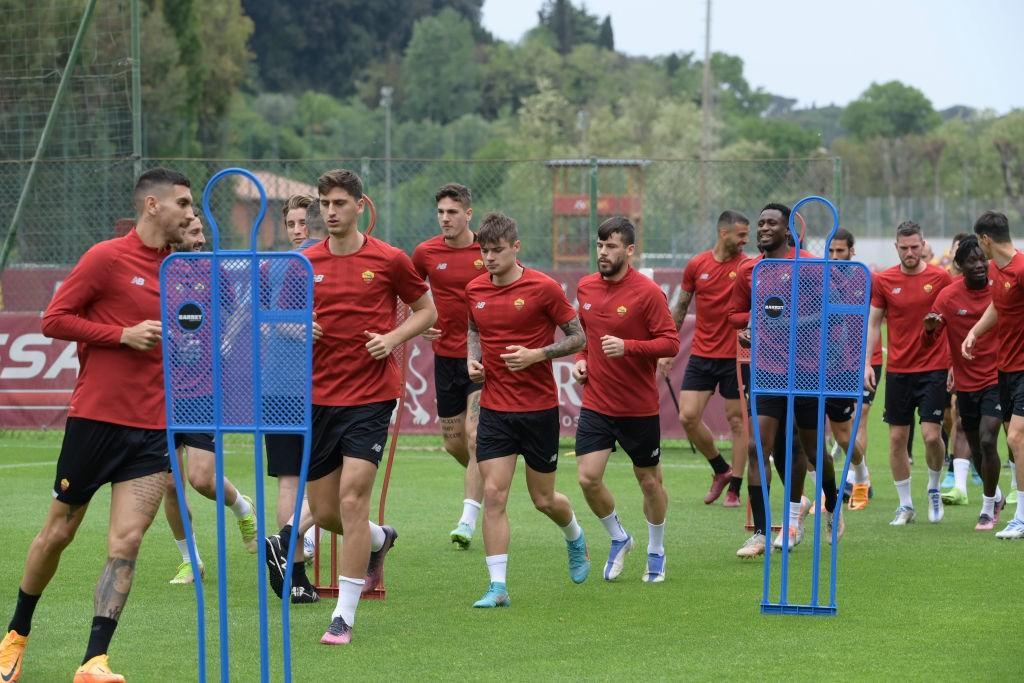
x=469, y=214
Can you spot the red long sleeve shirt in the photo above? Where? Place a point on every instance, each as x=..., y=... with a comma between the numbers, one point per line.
x=116, y=284
x=635, y=310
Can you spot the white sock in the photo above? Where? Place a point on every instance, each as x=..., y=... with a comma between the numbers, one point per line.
x=810, y=483
x=656, y=538
x=860, y=473
x=999, y=493
x=988, y=505
x=794, y=513
x=497, y=566
x=614, y=527
x=310, y=535
x=961, y=466
x=349, y=591
x=241, y=507
x=903, y=489
x=470, y=511
x=183, y=549
x=572, y=530
x=934, y=477
x=377, y=539
x=1020, y=506
x=1013, y=474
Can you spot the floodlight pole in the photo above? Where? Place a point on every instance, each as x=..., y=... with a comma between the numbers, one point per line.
x=386, y=93
x=705, y=118
x=136, y=57
x=44, y=137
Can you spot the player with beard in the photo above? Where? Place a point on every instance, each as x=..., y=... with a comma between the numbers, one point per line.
x=628, y=327
x=708, y=279
x=449, y=261
x=915, y=376
x=956, y=310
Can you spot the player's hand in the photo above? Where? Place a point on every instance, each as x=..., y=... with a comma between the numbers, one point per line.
x=379, y=346
x=967, y=348
x=318, y=332
x=579, y=372
x=518, y=357
x=475, y=369
x=665, y=366
x=142, y=337
x=431, y=334
x=931, y=322
x=613, y=347
x=743, y=336
x=949, y=381
x=869, y=378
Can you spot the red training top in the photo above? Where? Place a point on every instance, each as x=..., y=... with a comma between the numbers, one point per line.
x=351, y=294
x=524, y=313
x=907, y=299
x=635, y=310
x=960, y=308
x=739, y=305
x=1007, y=286
x=116, y=284
x=710, y=283
x=449, y=270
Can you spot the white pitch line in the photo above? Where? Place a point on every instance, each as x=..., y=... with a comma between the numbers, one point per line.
x=15, y=465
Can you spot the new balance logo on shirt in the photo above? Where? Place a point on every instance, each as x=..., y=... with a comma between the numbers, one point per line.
x=897, y=290
x=704, y=276
x=481, y=304
x=138, y=281
x=318, y=278
x=442, y=266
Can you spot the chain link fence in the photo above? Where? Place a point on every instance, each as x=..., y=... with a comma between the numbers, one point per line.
x=75, y=203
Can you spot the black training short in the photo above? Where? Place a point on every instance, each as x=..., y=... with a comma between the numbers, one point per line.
x=1011, y=393
x=199, y=440
x=805, y=410
x=973, y=405
x=453, y=386
x=533, y=434
x=840, y=409
x=640, y=437
x=707, y=374
x=907, y=391
x=352, y=431
x=284, y=454
x=869, y=394
x=95, y=453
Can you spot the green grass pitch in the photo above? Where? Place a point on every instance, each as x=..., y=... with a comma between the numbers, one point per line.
x=925, y=601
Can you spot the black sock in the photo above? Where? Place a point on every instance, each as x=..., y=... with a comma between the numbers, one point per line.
x=285, y=534
x=735, y=483
x=99, y=637
x=828, y=487
x=718, y=464
x=299, y=577
x=756, y=508
x=23, y=610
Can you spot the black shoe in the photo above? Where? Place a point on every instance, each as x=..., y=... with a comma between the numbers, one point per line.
x=276, y=564
x=375, y=568
x=304, y=595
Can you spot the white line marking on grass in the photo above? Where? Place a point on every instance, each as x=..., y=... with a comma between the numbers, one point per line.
x=11, y=466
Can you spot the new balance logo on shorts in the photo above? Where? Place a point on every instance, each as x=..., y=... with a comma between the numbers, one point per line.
x=377, y=448
x=937, y=413
x=656, y=452
x=553, y=458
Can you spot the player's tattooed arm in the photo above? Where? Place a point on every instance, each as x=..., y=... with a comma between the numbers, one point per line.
x=681, y=307
x=113, y=587
x=474, y=354
x=573, y=341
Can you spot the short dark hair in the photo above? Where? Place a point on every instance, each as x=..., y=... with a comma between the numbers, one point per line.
x=156, y=177
x=343, y=178
x=296, y=201
x=959, y=237
x=459, y=193
x=315, y=220
x=731, y=218
x=845, y=235
x=967, y=246
x=993, y=224
x=496, y=227
x=617, y=224
x=781, y=208
x=908, y=229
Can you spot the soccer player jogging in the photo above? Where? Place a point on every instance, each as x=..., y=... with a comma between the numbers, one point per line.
x=449, y=261
x=201, y=470
x=841, y=410
x=628, y=327
x=708, y=279
x=110, y=306
x=513, y=313
x=356, y=382
x=1006, y=314
x=956, y=310
x=773, y=240
x=915, y=377
x=303, y=224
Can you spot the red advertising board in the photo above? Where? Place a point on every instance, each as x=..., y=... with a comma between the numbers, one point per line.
x=37, y=374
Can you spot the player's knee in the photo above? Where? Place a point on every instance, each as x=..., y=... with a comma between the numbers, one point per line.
x=495, y=497
x=354, y=506
x=651, y=486
x=544, y=502
x=690, y=419
x=1015, y=440
x=55, y=538
x=202, y=482
x=589, y=481
x=933, y=439
x=989, y=442
x=126, y=543
x=736, y=423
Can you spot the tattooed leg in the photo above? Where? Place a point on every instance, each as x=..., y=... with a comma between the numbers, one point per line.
x=474, y=485
x=113, y=588
x=455, y=437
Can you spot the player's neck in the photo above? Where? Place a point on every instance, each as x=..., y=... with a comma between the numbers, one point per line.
x=619, y=276
x=150, y=234
x=778, y=252
x=920, y=268
x=509, y=276
x=721, y=253
x=349, y=243
x=1003, y=253
x=462, y=240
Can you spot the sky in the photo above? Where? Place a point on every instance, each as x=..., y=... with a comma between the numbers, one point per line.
x=968, y=52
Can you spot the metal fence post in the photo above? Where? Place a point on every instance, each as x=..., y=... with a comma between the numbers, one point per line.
x=592, y=228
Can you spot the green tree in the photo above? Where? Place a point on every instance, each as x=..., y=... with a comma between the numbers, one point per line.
x=785, y=139
x=1007, y=136
x=605, y=35
x=571, y=26
x=440, y=76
